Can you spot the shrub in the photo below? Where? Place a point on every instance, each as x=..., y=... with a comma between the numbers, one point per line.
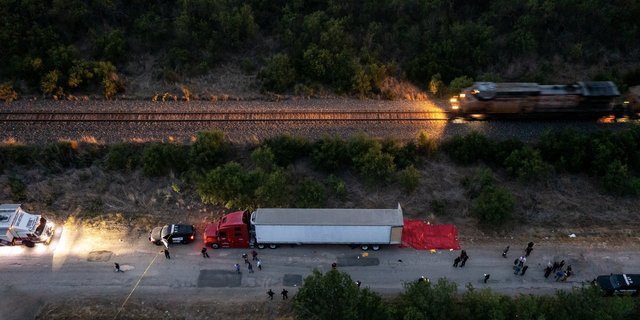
x=224, y=185
x=429, y=300
x=287, y=149
x=616, y=180
x=62, y=153
x=170, y=76
x=566, y=150
x=208, y=150
x=7, y=93
x=437, y=87
x=526, y=164
x=273, y=191
x=503, y=150
x=437, y=206
x=460, y=83
x=338, y=187
x=21, y=155
x=264, y=158
x=368, y=158
x=427, y=146
x=50, y=82
x=110, y=46
x=489, y=77
x=279, y=74
x=158, y=158
x=390, y=95
x=407, y=155
x=122, y=156
x=329, y=153
x=17, y=190
x=494, y=205
x=310, y=194
x=409, y=179
x=330, y=296
x=469, y=149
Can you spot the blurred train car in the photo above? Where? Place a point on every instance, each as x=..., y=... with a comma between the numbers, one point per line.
x=632, y=104
x=487, y=100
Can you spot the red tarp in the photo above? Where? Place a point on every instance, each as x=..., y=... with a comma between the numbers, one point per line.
x=422, y=236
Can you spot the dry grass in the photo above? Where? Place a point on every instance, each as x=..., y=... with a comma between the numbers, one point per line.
x=105, y=308
x=9, y=141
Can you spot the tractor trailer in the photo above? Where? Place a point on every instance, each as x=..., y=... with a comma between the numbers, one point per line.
x=20, y=227
x=367, y=228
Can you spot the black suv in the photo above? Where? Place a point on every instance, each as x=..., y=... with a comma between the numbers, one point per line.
x=175, y=233
x=620, y=284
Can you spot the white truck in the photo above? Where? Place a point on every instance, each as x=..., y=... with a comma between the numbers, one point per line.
x=20, y=227
x=368, y=228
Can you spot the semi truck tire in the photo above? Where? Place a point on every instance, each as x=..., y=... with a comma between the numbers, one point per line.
x=215, y=246
x=364, y=247
x=375, y=247
x=157, y=243
x=28, y=244
x=272, y=246
x=260, y=245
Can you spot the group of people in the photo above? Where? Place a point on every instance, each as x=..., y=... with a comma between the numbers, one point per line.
x=254, y=254
x=519, y=263
x=556, y=268
x=462, y=258
x=283, y=293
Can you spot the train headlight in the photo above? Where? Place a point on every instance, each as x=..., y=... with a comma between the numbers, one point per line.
x=453, y=100
x=462, y=95
x=454, y=107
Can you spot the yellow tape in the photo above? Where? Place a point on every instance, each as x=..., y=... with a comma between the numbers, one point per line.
x=134, y=288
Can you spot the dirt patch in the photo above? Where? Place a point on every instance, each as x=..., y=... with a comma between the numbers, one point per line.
x=99, y=256
x=105, y=308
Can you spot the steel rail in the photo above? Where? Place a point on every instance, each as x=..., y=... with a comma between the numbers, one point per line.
x=233, y=116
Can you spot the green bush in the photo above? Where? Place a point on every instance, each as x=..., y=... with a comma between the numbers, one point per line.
x=409, y=179
x=566, y=150
x=7, y=93
x=616, y=180
x=158, y=159
x=429, y=300
x=61, y=153
x=526, y=163
x=338, y=187
x=22, y=155
x=489, y=77
x=287, y=149
x=122, y=156
x=273, y=191
x=263, y=158
x=279, y=75
x=310, y=194
x=390, y=94
x=503, y=150
x=494, y=205
x=459, y=83
x=367, y=157
x=208, y=151
x=17, y=190
x=437, y=86
x=469, y=149
x=329, y=153
x=437, y=206
x=224, y=185
x=51, y=83
x=110, y=46
x=427, y=147
x=403, y=156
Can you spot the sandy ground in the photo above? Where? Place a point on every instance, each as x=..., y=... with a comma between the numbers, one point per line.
x=73, y=277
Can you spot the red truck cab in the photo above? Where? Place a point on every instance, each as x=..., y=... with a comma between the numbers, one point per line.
x=232, y=231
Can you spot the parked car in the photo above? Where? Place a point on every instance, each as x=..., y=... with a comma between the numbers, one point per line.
x=620, y=284
x=174, y=233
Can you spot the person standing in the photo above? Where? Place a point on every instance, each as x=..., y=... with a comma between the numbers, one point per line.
x=486, y=277
x=270, y=293
x=504, y=253
x=561, y=265
x=334, y=266
x=517, y=270
x=166, y=254
x=117, y=267
x=559, y=275
x=284, y=294
x=246, y=258
x=358, y=283
x=524, y=270
x=260, y=265
x=237, y=268
x=254, y=254
x=463, y=254
x=456, y=261
x=555, y=266
x=250, y=268
x=522, y=261
x=569, y=272
x=547, y=272
x=515, y=263
x=528, y=251
x=204, y=253
x=464, y=261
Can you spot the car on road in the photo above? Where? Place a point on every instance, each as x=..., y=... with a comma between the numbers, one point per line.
x=174, y=233
x=620, y=284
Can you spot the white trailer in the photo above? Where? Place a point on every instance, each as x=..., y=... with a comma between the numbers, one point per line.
x=20, y=227
x=368, y=228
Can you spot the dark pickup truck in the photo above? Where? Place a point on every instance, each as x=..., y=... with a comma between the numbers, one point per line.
x=174, y=233
x=620, y=284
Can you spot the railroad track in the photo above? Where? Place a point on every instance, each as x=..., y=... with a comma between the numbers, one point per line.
x=256, y=116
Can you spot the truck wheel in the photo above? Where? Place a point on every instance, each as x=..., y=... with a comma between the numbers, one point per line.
x=272, y=246
x=260, y=246
x=215, y=246
x=375, y=247
x=364, y=247
x=157, y=243
x=28, y=244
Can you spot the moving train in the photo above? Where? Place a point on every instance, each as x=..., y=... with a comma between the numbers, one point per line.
x=595, y=99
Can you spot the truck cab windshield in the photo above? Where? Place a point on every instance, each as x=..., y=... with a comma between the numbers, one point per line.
x=40, y=228
x=615, y=281
x=166, y=231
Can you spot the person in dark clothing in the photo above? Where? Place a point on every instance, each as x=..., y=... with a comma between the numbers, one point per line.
x=547, y=272
x=515, y=263
x=486, y=277
x=555, y=266
x=166, y=254
x=456, y=261
x=464, y=261
x=504, y=253
x=559, y=275
x=561, y=265
x=528, y=251
x=334, y=266
x=117, y=267
x=569, y=272
x=246, y=258
x=284, y=294
x=463, y=254
x=237, y=268
x=254, y=254
x=250, y=268
x=524, y=270
x=358, y=283
x=204, y=253
x=270, y=293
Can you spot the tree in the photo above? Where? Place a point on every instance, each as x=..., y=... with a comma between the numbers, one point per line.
x=208, y=150
x=326, y=297
x=526, y=163
x=329, y=153
x=224, y=185
x=264, y=158
x=409, y=179
x=279, y=74
x=460, y=83
x=427, y=300
x=310, y=194
x=494, y=205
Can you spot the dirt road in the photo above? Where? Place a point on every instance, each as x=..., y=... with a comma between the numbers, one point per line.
x=79, y=264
